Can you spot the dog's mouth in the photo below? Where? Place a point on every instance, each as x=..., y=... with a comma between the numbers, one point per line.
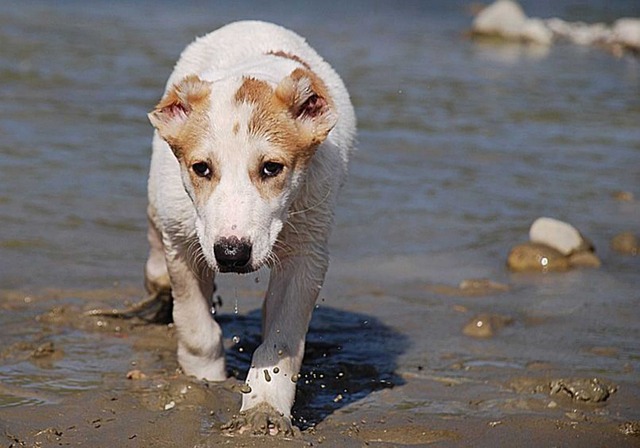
x=237, y=269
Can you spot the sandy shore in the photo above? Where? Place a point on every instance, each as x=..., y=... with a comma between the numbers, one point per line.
x=145, y=401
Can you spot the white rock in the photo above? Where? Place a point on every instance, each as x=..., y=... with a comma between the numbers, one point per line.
x=556, y=234
x=626, y=31
x=503, y=17
x=506, y=19
x=534, y=30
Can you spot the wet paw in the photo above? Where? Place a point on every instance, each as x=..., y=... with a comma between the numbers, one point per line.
x=261, y=420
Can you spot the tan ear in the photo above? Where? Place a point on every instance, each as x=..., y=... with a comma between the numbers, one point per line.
x=178, y=104
x=307, y=98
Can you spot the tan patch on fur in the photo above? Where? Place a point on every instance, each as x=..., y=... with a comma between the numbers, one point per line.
x=181, y=115
x=291, y=56
x=276, y=118
x=236, y=128
x=181, y=118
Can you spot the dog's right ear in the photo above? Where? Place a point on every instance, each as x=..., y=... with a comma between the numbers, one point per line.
x=181, y=100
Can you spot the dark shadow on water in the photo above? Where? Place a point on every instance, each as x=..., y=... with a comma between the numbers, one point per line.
x=347, y=356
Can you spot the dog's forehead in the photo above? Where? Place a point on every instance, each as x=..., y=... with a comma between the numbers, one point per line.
x=245, y=111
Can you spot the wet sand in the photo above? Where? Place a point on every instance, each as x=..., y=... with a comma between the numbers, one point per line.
x=143, y=400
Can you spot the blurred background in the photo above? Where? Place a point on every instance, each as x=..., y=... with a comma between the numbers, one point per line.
x=461, y=144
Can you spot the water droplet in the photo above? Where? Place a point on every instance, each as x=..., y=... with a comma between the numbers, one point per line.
x=245, y=389
x=236, y=339
x=295, y=378
x=267, y=377
x=235, y=306
x=213, y=310
x=276, y=370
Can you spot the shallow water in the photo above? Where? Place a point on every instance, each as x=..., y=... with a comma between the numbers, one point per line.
x=462, y=145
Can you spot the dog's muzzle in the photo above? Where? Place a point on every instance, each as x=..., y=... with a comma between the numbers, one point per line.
x=233, y=254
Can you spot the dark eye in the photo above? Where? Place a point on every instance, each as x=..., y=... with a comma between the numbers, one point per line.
x=271, y=169
x=201, y=169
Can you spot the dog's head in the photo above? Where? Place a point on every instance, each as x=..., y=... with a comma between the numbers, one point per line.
x=243, y=146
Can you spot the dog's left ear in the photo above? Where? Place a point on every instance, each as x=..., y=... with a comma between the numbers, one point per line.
x=178, y=104
x=307, y=99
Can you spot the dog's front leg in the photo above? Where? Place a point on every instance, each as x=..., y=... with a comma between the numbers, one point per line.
x=293, y=288
x=200, y=350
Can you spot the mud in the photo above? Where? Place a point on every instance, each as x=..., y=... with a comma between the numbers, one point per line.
x=141, y=399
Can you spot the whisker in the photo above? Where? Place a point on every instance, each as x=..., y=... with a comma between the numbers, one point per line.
x=312, y=207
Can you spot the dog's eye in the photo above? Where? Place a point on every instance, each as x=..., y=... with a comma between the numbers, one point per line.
x=201, y=169
x=271, y=169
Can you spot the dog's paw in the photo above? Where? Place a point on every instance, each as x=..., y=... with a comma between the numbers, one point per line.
x=262, y=420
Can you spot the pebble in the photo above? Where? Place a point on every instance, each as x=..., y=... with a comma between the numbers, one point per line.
x=135, y=374
x=534, y=257
x=585, y=259
x=591, y=390
x=624, y=196
x=170, y=405
x=630, y=428
x=557, y=234
x=485, y=325
x=625, y=243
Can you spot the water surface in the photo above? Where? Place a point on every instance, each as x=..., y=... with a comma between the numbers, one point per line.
x=461, y=146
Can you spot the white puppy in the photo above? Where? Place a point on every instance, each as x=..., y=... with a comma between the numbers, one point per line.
x=252, y=140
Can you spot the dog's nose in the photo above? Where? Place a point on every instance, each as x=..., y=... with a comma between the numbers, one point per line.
x=232, y=253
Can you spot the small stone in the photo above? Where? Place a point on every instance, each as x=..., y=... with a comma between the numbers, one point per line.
x=44, y=350
x=625, y=243
x=630, y=428
x=533, y=257
x=557, y=234
x=170, y=405
x=591, y=390
x=585, y=259
x=625, y=196
x=485, y=325
x=135, y=374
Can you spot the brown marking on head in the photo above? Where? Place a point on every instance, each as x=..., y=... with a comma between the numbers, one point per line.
x=180, y=116
x=181, y=120
x=291, y=56
x=295, y=119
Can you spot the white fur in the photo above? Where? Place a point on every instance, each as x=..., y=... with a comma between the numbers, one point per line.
x=301, y=217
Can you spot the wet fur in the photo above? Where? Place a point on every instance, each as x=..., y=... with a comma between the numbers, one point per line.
x=241, y=96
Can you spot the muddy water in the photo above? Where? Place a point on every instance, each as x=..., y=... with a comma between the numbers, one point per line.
x=462, y=146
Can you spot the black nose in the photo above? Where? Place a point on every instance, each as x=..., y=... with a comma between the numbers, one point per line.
x=232, y=254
